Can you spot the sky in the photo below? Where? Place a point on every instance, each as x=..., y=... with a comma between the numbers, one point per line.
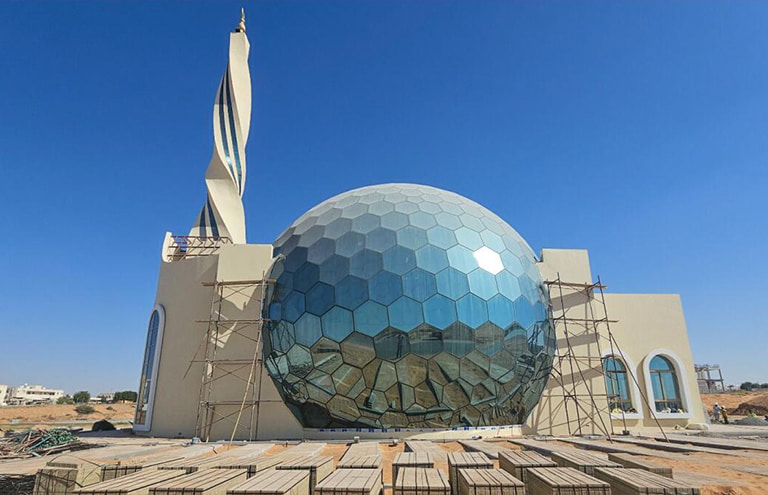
x=637, y=131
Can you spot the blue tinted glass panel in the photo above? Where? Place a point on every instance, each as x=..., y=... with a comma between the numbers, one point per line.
x=419, y=285
x=432, y=258
x=385, y=287
x=337, y=324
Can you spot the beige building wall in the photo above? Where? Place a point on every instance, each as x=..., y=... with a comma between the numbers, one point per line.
x=186, y=292
x=643, y=325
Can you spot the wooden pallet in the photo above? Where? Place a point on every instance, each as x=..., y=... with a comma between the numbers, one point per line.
x=361, y=462
x=517, y=462
x=582, y=461
x=134, y=484
x=640, y=482
x=488, y=482
x=469, y=460
x=319, y=467
x=206, y=482
x=421, y=481
x=351, y=482
x=633, y=461
x=564, y=481
x=274, y=482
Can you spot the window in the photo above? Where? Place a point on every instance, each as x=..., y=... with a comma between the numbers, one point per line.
x=149, y=367
x=665, y=386
x=617, y=385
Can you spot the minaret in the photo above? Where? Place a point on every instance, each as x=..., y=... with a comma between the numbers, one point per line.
x=222, y=214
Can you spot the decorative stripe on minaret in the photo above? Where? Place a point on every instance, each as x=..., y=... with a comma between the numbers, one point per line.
x=222, y=214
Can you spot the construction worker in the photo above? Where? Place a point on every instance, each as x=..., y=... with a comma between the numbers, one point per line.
x=724, y=413
x=716, y=412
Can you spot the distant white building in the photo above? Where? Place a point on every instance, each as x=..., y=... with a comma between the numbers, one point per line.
x=32, y=394
x=102, y=398
x=3, y=395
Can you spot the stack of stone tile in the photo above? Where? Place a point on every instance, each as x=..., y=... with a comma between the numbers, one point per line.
x=411, y=459
x=203, y=482
x=274, y=482
x=488, y=482
x=319, y=467
x=465, y=460
x=66, y=474
x=351, y=482
x=640, y=482
x=133, y=484
x=517, y=462
x=421, y=481
x=235, y=457
x=564, y=481
x=582, y=461
x=123, y=468
x=637, y=462
x=361, y=456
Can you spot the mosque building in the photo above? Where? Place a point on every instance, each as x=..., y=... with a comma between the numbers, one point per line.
x=393, y=310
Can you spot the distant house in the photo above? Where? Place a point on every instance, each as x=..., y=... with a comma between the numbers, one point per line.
x=32, y=394
x=3, y=395
x=103, y=398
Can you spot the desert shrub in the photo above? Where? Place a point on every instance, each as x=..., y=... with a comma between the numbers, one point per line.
x=84, y=409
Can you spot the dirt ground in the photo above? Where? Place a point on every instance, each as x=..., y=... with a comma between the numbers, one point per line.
x=732, y=400
x=45, y=414
x=730, y=469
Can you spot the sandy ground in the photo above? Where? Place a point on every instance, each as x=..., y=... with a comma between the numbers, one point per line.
x=388, y=453
x=335, y=450
x=730, y=400
x=48, y=415
x=724, y=467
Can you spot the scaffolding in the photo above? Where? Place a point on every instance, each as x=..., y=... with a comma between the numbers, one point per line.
x=709, y=384
x=181, y=247
x=232, y=354
x=591, y=327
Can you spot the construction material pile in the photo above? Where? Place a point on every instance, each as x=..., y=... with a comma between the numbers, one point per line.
x=38, y=443
x=12, y=484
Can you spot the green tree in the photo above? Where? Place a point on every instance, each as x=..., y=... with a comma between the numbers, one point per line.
x=126, y=395
x=81, y=397
x=65, y=400
x=84, y=409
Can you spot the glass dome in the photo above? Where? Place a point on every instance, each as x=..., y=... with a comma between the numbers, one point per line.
x=403, y=305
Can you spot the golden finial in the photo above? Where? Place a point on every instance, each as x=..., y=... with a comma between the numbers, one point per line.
x=241, y=27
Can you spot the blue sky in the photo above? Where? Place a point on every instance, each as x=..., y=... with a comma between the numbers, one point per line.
x=634, y=130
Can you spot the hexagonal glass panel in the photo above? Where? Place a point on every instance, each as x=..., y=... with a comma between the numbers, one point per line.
x=385, y=287
x=371, y=318
x=406, y=306
x=419, y=284
x=337, y=323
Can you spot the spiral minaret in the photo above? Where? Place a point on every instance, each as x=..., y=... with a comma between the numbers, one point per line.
x=222, y=214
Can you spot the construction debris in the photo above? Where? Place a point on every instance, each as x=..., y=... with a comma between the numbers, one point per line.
x=39, y=443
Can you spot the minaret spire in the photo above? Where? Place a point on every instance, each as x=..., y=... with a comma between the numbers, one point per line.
x=222, y=214
x=241, y=27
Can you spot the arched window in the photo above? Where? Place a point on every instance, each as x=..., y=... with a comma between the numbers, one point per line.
x=665, y=385
x=149, y=367
x=617, y=385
